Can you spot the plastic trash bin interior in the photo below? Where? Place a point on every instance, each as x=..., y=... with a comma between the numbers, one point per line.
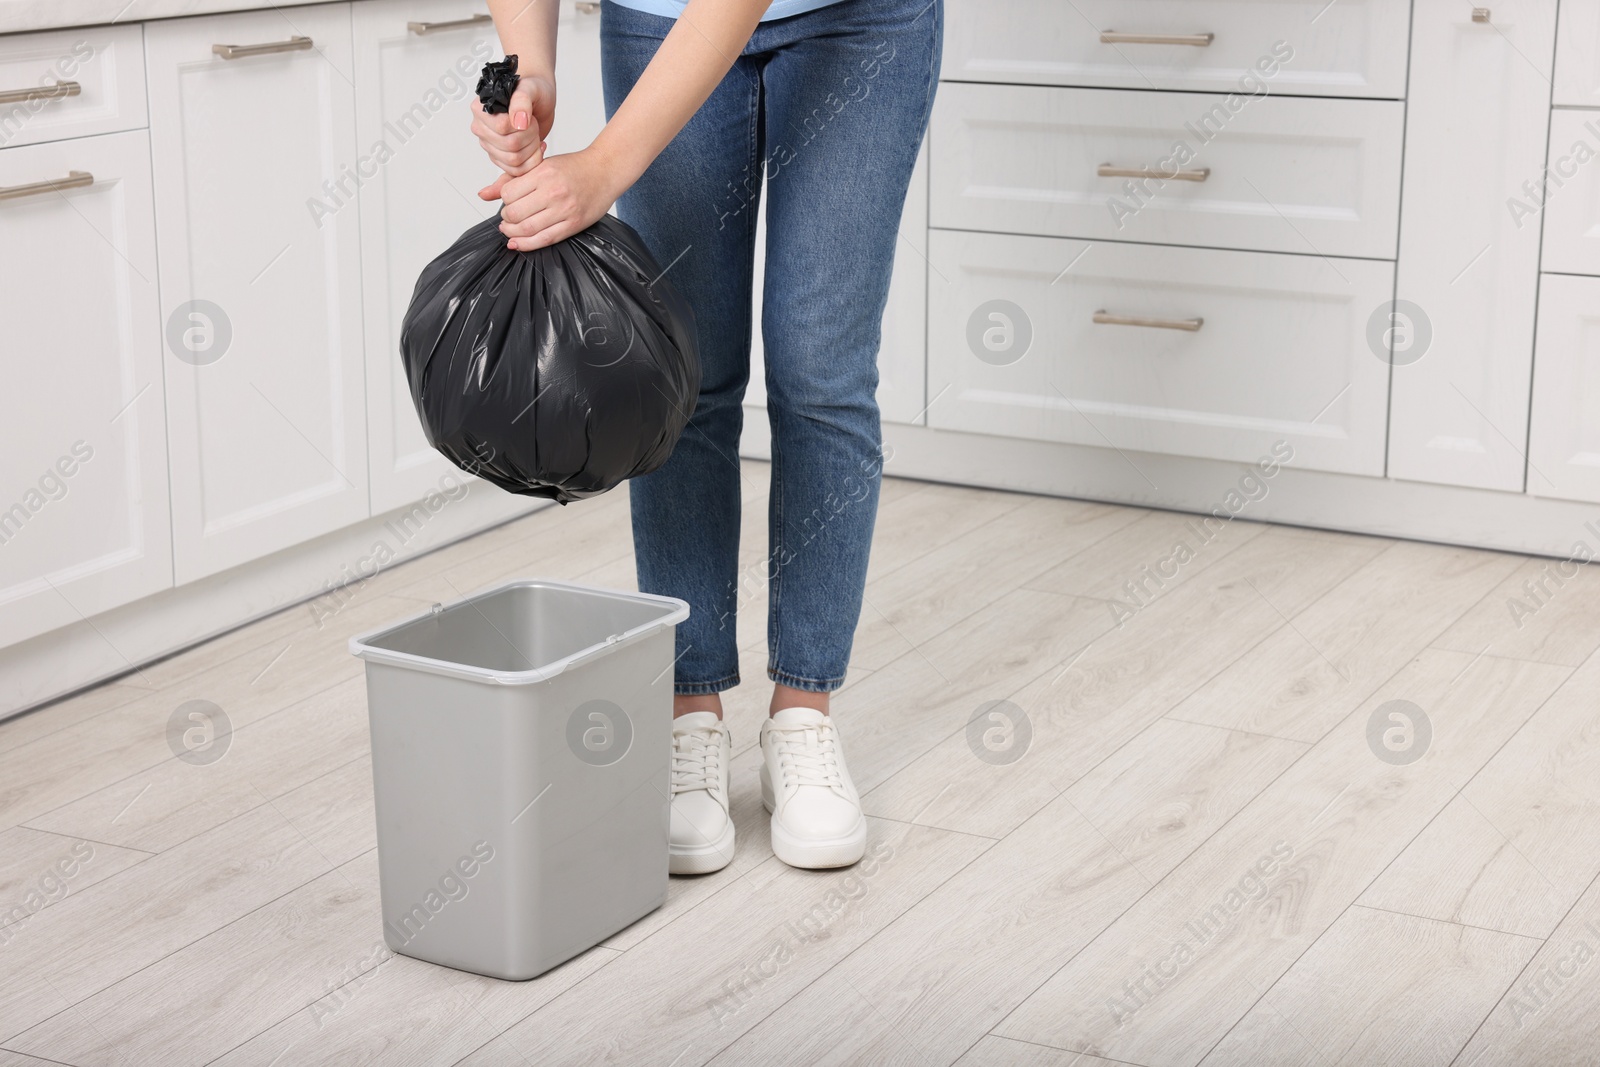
x=521, y=746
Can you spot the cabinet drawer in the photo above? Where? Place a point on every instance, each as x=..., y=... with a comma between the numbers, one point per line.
x=102, y=67
x=1279, y=175
x=1564, y=438
x=1577, y=81
x=1310, y=47
x=1572, y=201
x=1280, y=354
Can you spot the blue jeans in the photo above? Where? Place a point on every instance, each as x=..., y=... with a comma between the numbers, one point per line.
x=828, y=108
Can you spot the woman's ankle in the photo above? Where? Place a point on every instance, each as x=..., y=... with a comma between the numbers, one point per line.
x=784, y=696
x=683, y=704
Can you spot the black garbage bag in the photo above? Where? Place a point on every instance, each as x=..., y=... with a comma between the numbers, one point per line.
x=556, y=373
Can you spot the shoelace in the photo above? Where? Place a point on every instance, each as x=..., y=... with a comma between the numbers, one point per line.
x=696, y=761
x=807, y=755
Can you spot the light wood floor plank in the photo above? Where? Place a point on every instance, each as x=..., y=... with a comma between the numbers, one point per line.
x=918, y=701
x=932, y=982
x=129, y=921
x=335, y=812
x=1545, y=610
x=39, y=870
x=1147, y=560
x=1334, y=1007
x=1522, y=841
x=317, y=943
x=686, y=993
x=1329, y=656
x=908, y=527
x=1003, y=1052
x=175, y=800
x=1090, y=702
x=925, y=597
x=1547, y=1014
x=1243, y=907
x=17, y=1059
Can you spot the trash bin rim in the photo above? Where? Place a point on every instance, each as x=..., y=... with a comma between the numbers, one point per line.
x=362, y=647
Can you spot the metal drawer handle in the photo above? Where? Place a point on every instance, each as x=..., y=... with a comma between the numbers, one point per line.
x=75, y=179
x=1108, y=170
x=239, y=51
x=1105, y=318
x=1199, y=40
x=43, y=92
x=588, y=7
x=422, y=29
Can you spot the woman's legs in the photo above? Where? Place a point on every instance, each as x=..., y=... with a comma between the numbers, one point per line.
x=695, y=207
x=846, y=102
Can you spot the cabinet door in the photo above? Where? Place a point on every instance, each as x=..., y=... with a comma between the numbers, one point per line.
x=413, y=108
x=1564, y=445
x=1572, y=195
x=257, y=172
x=1469, y=261
x=1578, y=55
x=83, y=519
x=902, y=353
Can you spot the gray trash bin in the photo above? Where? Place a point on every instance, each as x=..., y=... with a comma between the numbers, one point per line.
x=521, y=745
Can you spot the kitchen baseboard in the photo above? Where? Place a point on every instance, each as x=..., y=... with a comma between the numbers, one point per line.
x=1385, y=507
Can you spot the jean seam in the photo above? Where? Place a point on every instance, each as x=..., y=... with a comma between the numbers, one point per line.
x=786, y=678
x=716, y=685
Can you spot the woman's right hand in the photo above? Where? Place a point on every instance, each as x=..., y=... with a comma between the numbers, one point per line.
x=515, y=140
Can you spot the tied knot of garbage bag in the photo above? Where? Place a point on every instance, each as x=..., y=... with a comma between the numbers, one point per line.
x=555, y=373
x=496, y=84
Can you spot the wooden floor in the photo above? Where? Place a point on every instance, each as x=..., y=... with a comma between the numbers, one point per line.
x=1211, y=835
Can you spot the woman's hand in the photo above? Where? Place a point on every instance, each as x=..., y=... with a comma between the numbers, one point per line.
x=556, y=199
x=515, y=140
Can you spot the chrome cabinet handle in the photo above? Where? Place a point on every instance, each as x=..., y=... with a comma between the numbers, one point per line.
x=1199, y=40
x=422, y=29
x=588, y=7
x=75, y=179
x=239, y=51
x=1108, y=170
x=1105, y=318
x=43, y=92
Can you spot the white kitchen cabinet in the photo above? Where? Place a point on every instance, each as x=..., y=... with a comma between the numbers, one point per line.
x=1347, y=48
x=1189, y=351
x=83, y=518
x=257, y=170
x=1476, y=126
x=1578, y=54
x=1564, y=447
x=71, y=83
x=1282, y=174
x=413, y=107
x=902, y=359
x=1572, y=194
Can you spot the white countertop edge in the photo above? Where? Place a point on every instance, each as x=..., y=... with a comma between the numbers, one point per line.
x=26, y=16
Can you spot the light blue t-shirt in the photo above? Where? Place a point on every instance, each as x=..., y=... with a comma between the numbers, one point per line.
x=780, y=9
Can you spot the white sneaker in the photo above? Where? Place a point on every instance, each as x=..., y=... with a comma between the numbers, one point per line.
x=816, y=814
x=700, y=839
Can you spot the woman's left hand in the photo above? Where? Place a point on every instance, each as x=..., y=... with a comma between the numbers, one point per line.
x=556, y=199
